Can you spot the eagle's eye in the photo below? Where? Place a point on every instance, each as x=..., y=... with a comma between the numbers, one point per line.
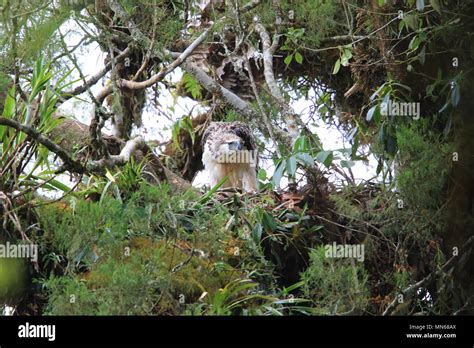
x=235, y=145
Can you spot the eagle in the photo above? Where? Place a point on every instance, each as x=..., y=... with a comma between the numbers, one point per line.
x=229, y=150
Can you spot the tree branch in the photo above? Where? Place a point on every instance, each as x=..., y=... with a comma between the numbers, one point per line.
x=69, y=162
x=117, y=160
x=268, y=52
x=215, y=88
x=167, y=69
x=93, y=80
x=266, y=121
x=428, y=278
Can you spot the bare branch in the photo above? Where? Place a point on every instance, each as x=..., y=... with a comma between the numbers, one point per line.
x=73, y=59
x=117, y=160
x=167, y=69
x=93, y=80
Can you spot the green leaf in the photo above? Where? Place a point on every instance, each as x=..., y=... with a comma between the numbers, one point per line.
x=187, y=124
x=109, y=175
x=422, y=55
x=384, y=103
x=293, y=287
x=436, y=5
x=104, y=192
x=445, y=106
x=305, y=159
x=347, y=164
x=325, y=157
x=414, y=43
x=411, y=20
x=40, y=78
x=300, y=144
x=192, y=86
x=277, y=175
x=420, y=5
x=346, y=56
x=288, y=59
x=213, y=190
x=291, y=165
x=373, y=111
x=352, y=133
x=382, y=134
x=344, y=61
x=59, y=186
x=262, y=174
x=268, y=222
x=379, y=167
x=455, y=94
x=401, y=25
x=257, y=232
x=376, y=93
x=337, y=66
x=10, y=102
x=298, y=58
x=401, y=85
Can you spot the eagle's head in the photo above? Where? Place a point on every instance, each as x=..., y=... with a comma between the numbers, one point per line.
x=224, y=145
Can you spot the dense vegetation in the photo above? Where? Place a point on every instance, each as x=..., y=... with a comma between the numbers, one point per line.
x=133, y=236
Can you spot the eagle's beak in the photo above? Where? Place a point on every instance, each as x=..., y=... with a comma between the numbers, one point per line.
x=235, y=145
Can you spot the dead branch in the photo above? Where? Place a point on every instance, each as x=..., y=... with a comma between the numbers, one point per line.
x=166, y=69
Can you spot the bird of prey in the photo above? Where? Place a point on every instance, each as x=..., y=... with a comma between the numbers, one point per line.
x=230, y=150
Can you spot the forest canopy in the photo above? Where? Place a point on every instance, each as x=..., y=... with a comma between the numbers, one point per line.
x=108, y=211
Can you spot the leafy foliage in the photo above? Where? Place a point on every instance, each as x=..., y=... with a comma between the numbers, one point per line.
x=425, y=164
x=335, y=286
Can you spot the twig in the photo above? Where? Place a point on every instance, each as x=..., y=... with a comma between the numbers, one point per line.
x=93, y=80
x=428, y=278
x=360, y=38
x=73, y=59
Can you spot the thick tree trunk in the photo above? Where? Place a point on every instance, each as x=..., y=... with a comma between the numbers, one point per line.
x=461, y=196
